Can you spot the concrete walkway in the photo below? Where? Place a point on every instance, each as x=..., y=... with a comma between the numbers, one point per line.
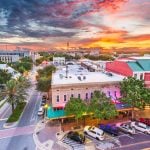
x=16, y=131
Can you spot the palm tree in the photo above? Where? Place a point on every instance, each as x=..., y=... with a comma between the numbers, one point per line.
x=4, y=76
x=15, y=91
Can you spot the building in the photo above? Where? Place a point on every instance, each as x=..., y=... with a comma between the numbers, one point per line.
x=14, y=73
x=94, y=66
x=76, y=81
x=58, y=61
x=13, y=56
x=8, y=58
x=138, y=67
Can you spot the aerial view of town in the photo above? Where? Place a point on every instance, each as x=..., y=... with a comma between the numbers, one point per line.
x=74, y=75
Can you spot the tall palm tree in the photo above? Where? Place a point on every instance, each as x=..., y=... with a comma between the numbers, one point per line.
x=15, y=91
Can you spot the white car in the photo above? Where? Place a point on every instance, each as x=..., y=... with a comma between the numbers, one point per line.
x=140, y=127
x=124, y=127
x=94, y=132
x=41, y=111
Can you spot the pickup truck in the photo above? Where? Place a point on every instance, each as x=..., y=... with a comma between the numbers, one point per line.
x=111, y=129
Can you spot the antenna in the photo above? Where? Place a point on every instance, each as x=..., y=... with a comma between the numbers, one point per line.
x=68, y=46
x=66, y=71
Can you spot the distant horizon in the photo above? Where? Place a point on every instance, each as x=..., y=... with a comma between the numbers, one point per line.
x=47, y=24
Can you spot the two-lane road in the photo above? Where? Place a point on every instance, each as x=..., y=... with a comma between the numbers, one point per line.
x=29, y=115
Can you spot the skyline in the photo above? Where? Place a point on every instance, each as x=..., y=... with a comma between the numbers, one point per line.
x=46, y=24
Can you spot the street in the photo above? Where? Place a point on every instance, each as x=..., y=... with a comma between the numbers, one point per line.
x=22, y=140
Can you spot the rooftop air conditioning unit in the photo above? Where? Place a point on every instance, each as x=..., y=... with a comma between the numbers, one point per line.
x=79, y=78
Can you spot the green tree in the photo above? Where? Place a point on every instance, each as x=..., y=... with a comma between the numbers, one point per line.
x=24, y=65
x=44, y=85
x=101, y=106
x=4, y=76
x=44, y=79
x=46, y=72
x=15, y=91
x=134, y=93
x=76, y=107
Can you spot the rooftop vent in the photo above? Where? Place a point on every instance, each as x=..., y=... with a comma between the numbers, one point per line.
x=109, y=74
x=60, y=76
x=79, y=78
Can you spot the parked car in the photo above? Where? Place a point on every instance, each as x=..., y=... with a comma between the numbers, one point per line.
x=75, y=136
x=140, y=127
x=41, y=111
x=43, y=103
x=145, y=121
x=124, y=127
x=44, y=97
x=111, y=129
x=94, y=132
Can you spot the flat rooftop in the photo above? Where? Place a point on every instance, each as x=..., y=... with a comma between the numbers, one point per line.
x=78, y=74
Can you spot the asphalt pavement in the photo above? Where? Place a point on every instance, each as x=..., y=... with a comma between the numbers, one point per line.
x=22, y=142
x=29, y=115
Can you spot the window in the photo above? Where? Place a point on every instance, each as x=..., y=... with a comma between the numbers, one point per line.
x=91, y=95
x=135, y=75
x=71, y=95
x=65, y=98
x=57, y=98
x=79, y=95
x=86, y=96
x=141, y=76
x=93, y=131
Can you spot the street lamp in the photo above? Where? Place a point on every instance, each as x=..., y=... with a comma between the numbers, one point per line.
x=45, y=110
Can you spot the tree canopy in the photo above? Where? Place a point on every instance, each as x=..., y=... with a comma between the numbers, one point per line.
x=101, y=106
x=134, y=92
x=15, y=91
x=25, y=64
x=4, y=76
x=76, y=107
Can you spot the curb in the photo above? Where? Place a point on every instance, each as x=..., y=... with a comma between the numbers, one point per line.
x=10, y=125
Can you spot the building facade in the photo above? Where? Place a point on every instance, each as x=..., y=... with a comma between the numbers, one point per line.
x=13, y=56
x=138, y=67
x=78, y=82
x=58, y=61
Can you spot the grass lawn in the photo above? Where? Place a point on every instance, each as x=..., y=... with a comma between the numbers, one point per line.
x=17, y=112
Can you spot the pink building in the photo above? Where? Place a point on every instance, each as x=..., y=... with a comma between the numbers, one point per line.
x=79, y=82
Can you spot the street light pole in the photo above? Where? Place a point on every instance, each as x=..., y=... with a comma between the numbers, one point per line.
x=45, y=111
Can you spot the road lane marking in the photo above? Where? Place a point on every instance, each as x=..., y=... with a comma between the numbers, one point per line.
x=34, y=113
x=138, y=143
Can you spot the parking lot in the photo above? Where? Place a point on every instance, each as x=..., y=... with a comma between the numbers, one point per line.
x=121, y=142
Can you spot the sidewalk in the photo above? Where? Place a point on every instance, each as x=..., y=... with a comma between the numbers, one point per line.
x=16, y=131
x=3, y=110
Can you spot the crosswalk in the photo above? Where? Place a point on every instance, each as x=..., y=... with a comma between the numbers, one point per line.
x=73, y=144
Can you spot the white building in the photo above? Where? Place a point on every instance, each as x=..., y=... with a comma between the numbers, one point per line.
x=14, y=73
x=9, y=58
x=59, y=61
x=13, y=56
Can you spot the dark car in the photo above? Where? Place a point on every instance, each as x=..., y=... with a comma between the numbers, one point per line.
x=111, y=129
x=145, y=121
x=44, y=97
x=76, y=137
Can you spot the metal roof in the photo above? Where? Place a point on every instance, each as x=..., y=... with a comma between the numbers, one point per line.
x=144, y=63
x=134, y=66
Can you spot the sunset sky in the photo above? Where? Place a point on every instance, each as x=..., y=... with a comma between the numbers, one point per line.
x=45, y=24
